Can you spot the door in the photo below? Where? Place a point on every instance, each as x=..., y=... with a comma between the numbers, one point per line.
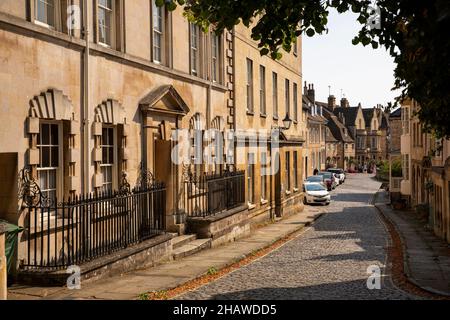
x=163, y=170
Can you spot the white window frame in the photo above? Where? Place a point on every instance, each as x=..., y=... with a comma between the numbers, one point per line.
x=262, y=90
x=275, y=94
x=56, y=14
x=161, y=33
x=250, y=104
x=59, y=170
x=112, y=27
x=295, y=101
x=287, y=97
x=114, y=175
x=216, y=50
x=195, y=51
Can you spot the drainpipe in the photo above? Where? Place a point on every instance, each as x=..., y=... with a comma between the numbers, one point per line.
x=85, y=110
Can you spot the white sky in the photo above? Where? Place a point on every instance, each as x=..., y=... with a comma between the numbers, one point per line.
x=365, y=75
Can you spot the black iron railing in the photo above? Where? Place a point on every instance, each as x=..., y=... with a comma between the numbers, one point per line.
x=210, y=194
x=84, y=228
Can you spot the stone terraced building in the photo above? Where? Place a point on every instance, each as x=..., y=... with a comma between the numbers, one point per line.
x=90, y=116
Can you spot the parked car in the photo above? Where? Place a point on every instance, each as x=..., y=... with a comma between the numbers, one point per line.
x=316, y=193
x=316, y=179
x=336, y=179
x=329, y=180
x=339, y=172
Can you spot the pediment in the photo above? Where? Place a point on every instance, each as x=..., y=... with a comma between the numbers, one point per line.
x=164, y=99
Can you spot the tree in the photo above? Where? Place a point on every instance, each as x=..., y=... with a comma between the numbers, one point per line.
x=415, y=32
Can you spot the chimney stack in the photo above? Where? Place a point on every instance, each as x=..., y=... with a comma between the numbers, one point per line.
x=344, y=103
x=331, y=102
x=311, y=93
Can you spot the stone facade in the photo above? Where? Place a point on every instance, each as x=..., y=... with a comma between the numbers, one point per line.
x=267, y=92
x=69, y=95
x=316, y=131
x=426, y=171
x=395, y=129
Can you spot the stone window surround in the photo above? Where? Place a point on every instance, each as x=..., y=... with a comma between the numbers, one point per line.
x=110, y=113
x=52, y=105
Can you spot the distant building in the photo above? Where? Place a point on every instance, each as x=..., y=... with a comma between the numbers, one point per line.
x=316, y=126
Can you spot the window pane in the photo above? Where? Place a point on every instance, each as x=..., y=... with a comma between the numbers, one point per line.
x=51, y=179
x=111, y=136
x=45, y=134
x=45, y=157
x=45, y=12
x=111, y=155
x=54, y=134
x=54, y=157
x=43, y=180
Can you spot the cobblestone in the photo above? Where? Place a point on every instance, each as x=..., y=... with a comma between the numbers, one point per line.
x=327, y=261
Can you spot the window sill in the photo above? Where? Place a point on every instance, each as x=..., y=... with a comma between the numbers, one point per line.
x=250, y=113
x=275, y=118
x=296, y=190
x=263, y=115
x=264, y=201
x=251, y=206
x=288, y=192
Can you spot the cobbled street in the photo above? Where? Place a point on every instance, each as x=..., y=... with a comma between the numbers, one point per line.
x=327, y=261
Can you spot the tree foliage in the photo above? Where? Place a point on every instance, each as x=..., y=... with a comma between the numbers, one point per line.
x=415, y=33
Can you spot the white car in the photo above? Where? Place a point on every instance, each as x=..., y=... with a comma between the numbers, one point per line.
x=337, y=179
x=316, y=193
x=339, y=172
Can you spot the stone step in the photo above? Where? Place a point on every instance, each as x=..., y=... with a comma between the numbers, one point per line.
x=191, y=248
x=180, y=241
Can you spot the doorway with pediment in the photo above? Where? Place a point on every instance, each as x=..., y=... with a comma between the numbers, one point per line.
x=163, y=109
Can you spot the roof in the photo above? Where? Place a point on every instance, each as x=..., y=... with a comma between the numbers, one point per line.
x=368, y=115
x=337, y=128
x=177, y=104
x=307, y=103
x=329, y=137
x=349, y=113
x=397, y=113
x=384, y=121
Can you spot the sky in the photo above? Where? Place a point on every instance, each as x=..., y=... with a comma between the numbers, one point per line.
x=365, y=75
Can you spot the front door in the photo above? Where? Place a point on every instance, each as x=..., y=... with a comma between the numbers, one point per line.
x=164, y=172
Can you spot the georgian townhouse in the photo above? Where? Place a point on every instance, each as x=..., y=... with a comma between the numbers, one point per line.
x=91, y=118
x=426, y=170
x=268, y=96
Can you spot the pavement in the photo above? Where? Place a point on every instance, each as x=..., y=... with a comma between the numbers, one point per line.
x=332, y=259
x=175, y=273
x=426, y=257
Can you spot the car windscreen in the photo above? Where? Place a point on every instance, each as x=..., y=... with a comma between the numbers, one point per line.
x=314, y=187
x=326, y=175
x=315, y=179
